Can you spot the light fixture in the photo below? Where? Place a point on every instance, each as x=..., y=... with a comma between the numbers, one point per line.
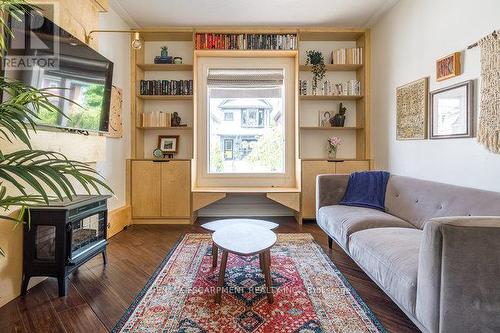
x=136, y=40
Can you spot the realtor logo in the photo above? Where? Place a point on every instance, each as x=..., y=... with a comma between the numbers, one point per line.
x=33, y=42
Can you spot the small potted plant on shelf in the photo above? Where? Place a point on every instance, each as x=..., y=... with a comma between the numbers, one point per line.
x=316, y=59
x=333, y=145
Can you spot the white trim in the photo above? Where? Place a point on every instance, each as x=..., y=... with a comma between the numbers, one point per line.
x=202, y=177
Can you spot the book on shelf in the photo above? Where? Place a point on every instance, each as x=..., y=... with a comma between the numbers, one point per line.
x=328, y=88
x=212, y=41
x=156, y=119
x=348, y=56
x=166, y=87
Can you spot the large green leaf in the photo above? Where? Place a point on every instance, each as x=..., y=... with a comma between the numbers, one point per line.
x=46, y=174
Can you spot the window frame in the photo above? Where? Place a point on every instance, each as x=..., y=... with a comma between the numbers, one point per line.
x=286, y=60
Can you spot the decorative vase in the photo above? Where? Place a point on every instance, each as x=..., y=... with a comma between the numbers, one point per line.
x=338, y=120
x=332, y=153
x=164, y=52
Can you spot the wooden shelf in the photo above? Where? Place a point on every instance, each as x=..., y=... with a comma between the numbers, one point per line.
x=166, y=97
x=166, y=34
x=333, y=68
x=329, y=34
x=334, y=160
x=166, y=67
x=172, y=128
x=330, y=98
x=246, y=189
x=318, y=128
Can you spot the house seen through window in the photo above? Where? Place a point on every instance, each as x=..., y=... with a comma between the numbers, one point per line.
x=246, y=129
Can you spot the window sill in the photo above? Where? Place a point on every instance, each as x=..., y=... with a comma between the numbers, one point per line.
x=244, y=189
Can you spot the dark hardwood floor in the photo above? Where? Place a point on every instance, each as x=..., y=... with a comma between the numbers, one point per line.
x=98, y=295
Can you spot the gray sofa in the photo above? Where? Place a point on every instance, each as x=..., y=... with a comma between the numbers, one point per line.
x=435, y=251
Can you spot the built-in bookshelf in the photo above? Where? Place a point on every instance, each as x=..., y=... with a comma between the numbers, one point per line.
x=354, y=153
x=173, y=92
x=345, y=52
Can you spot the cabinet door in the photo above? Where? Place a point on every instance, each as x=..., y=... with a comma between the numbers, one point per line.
x=347, y=167
x=145, y=189
x=176, y=189
x=310, y=169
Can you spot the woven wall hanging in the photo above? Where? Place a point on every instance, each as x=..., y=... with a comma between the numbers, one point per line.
x=489, y=116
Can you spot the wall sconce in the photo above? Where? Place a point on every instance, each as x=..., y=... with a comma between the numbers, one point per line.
x=136, y=40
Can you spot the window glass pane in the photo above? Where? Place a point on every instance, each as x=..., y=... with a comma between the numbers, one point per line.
x=246, y=123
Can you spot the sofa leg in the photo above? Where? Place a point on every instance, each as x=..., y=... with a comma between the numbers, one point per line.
x=330, y=242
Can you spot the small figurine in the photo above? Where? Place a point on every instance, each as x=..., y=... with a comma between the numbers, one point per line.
x=339, y=119
x=164, y=52
x=177, y=60
x=163, y=58
x=176, y=120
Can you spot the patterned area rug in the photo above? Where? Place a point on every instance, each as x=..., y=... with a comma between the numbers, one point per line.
x=310, y=294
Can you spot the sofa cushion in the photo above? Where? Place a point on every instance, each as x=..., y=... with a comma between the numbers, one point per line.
x=341, y=221
x=417, y=201
x=390, y=256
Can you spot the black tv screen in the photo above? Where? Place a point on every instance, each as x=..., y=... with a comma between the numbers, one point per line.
x=43, y=55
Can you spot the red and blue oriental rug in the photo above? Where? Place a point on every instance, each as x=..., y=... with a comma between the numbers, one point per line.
x=310, y=294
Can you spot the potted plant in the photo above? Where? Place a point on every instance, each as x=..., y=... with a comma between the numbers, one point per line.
x=35, y=176
x=333, y=145
x=316, y=60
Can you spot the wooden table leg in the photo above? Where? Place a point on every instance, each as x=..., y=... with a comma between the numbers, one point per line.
x=261, y=261
x=222, y=272
x=215, y=253
x=267, y=276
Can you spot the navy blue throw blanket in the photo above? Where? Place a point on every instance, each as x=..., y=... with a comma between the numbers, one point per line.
x=366, y=189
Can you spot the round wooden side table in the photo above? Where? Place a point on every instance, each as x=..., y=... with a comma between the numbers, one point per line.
x=218, y=224
x=245, y=240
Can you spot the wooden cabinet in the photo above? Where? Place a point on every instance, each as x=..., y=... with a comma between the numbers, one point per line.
x=312, y=168
x=146, y=191
x=176, y=189
x=161, y=189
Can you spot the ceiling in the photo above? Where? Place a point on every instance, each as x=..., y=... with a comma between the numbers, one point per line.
x=339, y=13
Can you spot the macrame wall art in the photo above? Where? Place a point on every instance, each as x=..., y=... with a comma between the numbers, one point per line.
x=489, y=116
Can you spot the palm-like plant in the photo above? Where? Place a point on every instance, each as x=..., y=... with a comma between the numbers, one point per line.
x=31, y=171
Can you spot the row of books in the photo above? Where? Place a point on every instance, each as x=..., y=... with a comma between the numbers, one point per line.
x=156, y=119
x=205, y=41
x=348, y=56
x=328, y=88
x=166, y=87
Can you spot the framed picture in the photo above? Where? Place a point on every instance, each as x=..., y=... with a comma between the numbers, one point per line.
x=168, y=143
x=451, y=111
x=448, y=66
x=324, y=118
x=411, y=110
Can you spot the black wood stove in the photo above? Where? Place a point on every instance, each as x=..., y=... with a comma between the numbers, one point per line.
x=64, y=235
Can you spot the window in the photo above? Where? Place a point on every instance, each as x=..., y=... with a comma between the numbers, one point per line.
x=258, y=147
x=252, y=117
x=254, y=146
x=228, y=116
x=228, y=149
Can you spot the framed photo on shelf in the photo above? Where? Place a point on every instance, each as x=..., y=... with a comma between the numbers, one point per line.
x=448, y=66
x=324, y=118
x=452, y=111
x=168, y=144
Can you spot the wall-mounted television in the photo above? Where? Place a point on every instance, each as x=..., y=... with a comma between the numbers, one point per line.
x=42, y=55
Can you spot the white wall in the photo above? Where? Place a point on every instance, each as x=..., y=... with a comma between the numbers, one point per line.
x=405, y=45
x=116, y=47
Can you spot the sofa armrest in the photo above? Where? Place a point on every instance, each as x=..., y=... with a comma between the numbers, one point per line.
x=458, y=286
x=330, y=189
